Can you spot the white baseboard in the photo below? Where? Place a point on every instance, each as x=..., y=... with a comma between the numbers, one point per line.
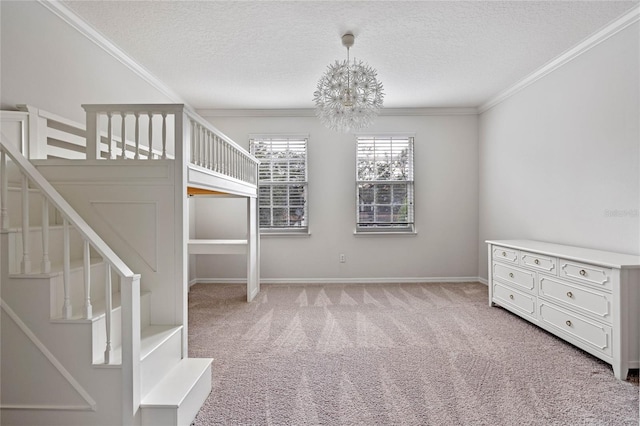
x=483, y=281
x=339, y=280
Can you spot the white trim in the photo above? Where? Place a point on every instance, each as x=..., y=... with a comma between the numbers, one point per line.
x=46, y=407
x=54, y=361
x=308, y=112
x=613, y=28
x=77, y=23
x=389, y=280
x=483, y=281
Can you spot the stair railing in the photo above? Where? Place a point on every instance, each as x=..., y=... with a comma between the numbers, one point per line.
x=159, y=128
x=129, y=281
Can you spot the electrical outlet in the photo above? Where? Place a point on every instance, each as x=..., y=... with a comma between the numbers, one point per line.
x=343, y=258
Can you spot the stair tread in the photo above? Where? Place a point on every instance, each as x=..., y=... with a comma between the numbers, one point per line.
x=152, y=336
x=57, y=268
x=176, y=385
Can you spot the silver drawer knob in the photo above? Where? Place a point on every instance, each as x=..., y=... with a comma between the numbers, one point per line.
x=504, y=253
x=511, y=274
x=537, y=262
x=569, y=294
x=511, y=296
x=568, y=323
x=583, y=272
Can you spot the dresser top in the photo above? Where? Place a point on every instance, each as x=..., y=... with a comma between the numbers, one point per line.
x=579, y=254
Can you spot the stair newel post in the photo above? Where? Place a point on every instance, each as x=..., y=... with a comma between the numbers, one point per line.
x=26, y=256
x=164, y=135
x=150, y=156
x=4, y=187
x=66, y=270
x=130, y=332
x=46, y=262
x=93, y=135
x=88, y=309
x=122, y=135
x=109, y=136
x=107, y=311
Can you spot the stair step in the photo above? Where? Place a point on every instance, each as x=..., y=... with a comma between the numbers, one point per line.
x=178, y=397
x=153, y=336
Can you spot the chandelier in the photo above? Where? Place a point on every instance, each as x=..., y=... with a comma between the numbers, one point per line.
x=349, y=95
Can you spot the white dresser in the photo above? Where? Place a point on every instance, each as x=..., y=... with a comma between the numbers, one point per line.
x=590, y=298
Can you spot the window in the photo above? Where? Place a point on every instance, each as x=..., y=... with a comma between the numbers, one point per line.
x=384, y=174
x=282, y=182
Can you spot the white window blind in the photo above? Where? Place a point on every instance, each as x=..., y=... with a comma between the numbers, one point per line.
x=282, y=182
x=384, y=177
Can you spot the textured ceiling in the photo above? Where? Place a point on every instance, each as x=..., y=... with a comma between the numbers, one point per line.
x=270, y=54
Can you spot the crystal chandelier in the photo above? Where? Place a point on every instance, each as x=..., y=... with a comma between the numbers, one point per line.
x=349, y=95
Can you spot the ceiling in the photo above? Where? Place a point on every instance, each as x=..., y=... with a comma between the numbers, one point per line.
x=270, y=54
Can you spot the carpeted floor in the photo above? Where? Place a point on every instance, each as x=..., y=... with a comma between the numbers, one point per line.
x=392, y=354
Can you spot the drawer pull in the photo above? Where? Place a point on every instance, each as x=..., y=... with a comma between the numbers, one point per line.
x=510, y=274
x=504, y=254
x=511, y=296
x=537, y=262
x=568, y=323
x=569, y=294
x=583, y=272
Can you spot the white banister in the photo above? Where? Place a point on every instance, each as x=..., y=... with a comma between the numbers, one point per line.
x=66, y=270
x=107, y=312
x=26, y=255
x=122, y=135
x=4, y=187
x=88, y=309
x=46, y=262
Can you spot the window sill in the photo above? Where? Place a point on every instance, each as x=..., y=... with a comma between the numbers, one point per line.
x=285, y=234
x=391, y=233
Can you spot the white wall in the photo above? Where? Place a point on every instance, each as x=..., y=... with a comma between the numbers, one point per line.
x=446, y=206
x=50, y=65
x=559, y=161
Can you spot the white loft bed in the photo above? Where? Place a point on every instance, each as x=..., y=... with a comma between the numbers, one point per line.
x=136, y=143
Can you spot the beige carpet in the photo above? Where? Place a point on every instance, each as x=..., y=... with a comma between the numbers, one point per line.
x=392, y=354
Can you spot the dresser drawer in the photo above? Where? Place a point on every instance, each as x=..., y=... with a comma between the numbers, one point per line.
x=579, y=329
x=523, y=303
x=520, y=278
x=539, y=262
x=505, y=254
x=586, y=300
x=585, y=273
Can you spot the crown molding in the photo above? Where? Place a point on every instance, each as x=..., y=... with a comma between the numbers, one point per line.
x=611, y=29
x=77, y=23
x=309, y=112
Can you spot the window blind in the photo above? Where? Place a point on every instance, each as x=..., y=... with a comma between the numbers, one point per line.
x=282, y=182
x=384, y=178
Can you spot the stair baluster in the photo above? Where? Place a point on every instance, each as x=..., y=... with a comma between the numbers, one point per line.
x=26, y=256
x=137, y=136
x=122, y=135
x=46, y=263
x=4, y=185
x=107, y=312
x=109, y=136
x=164, y=135
x=67, y=310
x=150, y=156
x=88, y=309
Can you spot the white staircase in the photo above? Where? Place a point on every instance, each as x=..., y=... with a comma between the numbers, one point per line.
x=78, y=343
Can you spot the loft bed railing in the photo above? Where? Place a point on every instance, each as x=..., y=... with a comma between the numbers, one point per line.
x=165, y=131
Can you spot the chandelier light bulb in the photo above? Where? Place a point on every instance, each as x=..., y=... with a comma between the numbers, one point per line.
x=349, y=95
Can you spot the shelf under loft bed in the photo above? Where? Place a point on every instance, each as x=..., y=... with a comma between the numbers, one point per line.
x=217, y=246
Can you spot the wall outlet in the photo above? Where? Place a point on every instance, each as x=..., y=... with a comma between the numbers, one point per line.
x=343, y=258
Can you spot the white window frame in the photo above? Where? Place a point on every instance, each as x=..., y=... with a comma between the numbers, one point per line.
x=363, y=228
x=303, y=227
